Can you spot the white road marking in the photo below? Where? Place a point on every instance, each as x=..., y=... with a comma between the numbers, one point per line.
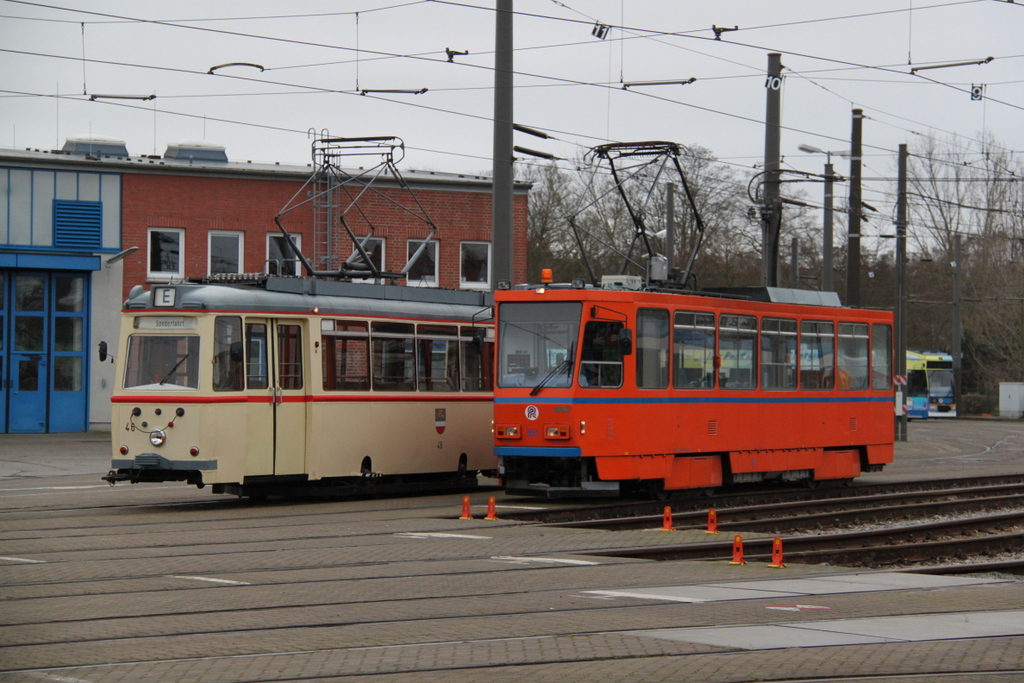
x=22, y=559
x=551, y=560
x=204, y=578
x=424, y=534
x=59, y=679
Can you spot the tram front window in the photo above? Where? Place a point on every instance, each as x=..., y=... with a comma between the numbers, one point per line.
x=162, y=362
x=536, y=342
x=940, y=383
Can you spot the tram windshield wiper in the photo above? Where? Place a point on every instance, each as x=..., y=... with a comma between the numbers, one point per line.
x=176, y=366
x=566, y=363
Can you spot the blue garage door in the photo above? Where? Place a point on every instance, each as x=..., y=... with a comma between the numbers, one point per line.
x=43, y=363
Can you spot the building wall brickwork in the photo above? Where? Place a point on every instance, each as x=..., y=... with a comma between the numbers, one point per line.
x=199, y=203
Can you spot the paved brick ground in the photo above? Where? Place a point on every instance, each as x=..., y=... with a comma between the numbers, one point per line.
x=120, y=590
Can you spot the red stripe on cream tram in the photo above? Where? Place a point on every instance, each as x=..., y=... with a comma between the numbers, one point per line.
x=603, y=390
x=291, y=384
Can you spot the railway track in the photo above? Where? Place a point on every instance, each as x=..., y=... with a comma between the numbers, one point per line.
x=943, y=524
x=801, y=515
x=891, y=545
x=755, y=496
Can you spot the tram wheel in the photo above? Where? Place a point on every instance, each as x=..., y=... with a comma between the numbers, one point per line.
x=656, y=490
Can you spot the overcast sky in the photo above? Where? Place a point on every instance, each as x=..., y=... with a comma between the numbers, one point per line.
x=317, y=56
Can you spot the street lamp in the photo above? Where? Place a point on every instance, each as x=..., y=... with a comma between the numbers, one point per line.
x=827, y=279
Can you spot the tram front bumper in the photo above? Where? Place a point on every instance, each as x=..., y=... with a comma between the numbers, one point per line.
x=550, y=472
x=153, y=467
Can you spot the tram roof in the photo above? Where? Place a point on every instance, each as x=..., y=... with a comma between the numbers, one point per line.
x=306, y=295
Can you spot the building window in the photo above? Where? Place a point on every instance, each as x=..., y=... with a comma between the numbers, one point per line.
x=475, y=270
x=225, y=249
x=423, y=273
x=281, y=258
x=374, y=248
x=165, y=253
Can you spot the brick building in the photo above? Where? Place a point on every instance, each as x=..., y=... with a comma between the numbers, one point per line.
x=80, y=226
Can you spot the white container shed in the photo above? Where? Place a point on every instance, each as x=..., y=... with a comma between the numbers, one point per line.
x=1011, y=399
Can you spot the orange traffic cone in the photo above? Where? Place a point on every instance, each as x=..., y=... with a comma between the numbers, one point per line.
x=777, y=554
x=466, y=514
x=737, y=550
x=666, y=519
x=492, y=513
x=712, y=522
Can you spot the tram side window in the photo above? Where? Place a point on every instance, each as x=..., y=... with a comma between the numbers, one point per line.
x=256, y=360
x=881, y=357
x=694, y=350
x=438, y=358
x=228, y=357
x=601, y=355
x=737, y=347
x=817, y=354
x=394, y=357
x=289, y=360
x=853, y=356
x=652, y=348
x=346, y=355
x=477, y=360
x=778, y=354
x=162, y=361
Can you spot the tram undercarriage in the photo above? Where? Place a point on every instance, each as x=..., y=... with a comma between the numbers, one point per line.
x=300, y=485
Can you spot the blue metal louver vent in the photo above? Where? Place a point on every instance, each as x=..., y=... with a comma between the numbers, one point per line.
x=77, y=225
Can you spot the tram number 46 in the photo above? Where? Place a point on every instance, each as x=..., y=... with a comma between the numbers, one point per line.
x=440, y=445
x=773, y=82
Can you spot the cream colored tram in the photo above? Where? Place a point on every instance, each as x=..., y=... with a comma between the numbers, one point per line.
x=293, y=385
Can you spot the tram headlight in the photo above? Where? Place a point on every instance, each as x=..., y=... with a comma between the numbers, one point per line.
x=556, y=431
x=157, y=437
x=507, y=431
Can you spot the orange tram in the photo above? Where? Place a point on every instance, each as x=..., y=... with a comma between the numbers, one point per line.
x=608, y=390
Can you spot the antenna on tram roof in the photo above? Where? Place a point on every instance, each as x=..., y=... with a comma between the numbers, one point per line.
x=335, y=194
x=637, y=170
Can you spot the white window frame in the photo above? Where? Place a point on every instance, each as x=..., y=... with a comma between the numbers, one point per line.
x=486, y=284
x=383, y=255
x=411, y=245
x=165, y=275
x=225, y=233
x=297, y=239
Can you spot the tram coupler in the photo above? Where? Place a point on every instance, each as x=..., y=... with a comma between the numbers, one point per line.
x=113, y=476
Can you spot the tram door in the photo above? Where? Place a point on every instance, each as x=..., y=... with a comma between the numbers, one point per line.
x=274, y=369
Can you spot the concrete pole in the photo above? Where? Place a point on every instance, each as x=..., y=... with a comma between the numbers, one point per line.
x=771, y=212
x=901, y=288
x=958, y=327
x=853, y=239
x=502, y=201
x=828, y=283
